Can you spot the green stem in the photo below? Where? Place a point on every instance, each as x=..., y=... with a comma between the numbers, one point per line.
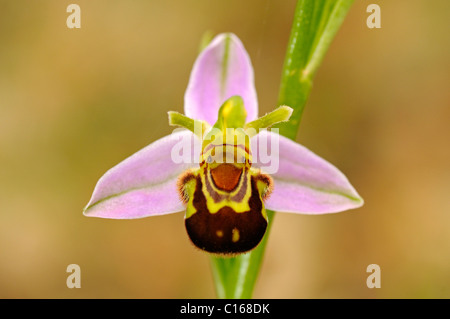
x=315, y=25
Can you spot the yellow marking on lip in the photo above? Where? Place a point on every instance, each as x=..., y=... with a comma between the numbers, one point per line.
x=235, y=235
x=219, y=233
x=238, y=207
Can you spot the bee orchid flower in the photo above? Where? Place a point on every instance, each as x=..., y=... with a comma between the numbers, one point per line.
x=223, y=180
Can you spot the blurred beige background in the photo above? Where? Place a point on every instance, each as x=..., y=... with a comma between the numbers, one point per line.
x=73, y=103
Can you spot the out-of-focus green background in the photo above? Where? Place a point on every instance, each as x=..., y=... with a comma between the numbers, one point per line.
x=74, y=103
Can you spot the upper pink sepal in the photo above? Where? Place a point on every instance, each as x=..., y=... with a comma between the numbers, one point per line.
x=223, y=69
